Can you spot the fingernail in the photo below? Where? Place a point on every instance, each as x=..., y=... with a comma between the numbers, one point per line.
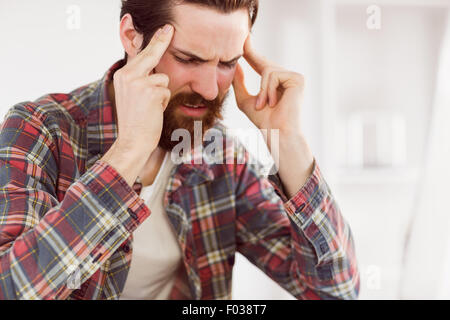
x=158, y=33
x=167, y=28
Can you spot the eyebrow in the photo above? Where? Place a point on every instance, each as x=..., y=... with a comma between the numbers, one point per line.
x=193, y=56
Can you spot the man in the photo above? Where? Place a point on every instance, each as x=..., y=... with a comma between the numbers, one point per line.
x=93, y=208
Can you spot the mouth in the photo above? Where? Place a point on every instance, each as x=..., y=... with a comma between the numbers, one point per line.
x=193, y=110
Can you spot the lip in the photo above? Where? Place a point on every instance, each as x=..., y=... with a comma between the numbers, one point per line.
x=191, y=112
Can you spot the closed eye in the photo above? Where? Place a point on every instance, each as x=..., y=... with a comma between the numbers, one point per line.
x=230, y=65
x=196, y=62
x=189, y=61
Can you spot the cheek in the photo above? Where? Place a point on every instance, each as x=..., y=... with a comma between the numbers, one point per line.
x=179, y=80
x=178, y=76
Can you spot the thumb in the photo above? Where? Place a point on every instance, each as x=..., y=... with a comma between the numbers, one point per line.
x=243, y=99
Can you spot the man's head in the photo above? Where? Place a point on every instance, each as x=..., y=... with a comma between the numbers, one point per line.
x=208, y=40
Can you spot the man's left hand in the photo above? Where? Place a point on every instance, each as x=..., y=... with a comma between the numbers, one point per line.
x=278, y=104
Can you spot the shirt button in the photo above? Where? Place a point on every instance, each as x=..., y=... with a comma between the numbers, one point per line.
x=126, y=248
x=323, y=248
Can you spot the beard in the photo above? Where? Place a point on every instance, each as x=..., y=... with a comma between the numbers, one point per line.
x=173, y=119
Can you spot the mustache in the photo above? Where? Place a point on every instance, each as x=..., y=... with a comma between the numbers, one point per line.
x=196, y=99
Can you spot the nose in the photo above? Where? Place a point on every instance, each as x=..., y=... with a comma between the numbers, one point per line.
x=205, y=83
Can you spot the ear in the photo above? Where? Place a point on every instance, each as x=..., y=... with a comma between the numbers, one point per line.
x=130, y=38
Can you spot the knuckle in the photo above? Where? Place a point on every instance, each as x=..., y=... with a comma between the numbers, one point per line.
x=273, y=85
x=268, y=73
x=165, y=78
x=161, y=92
x=161, y=78
x=161, y=96
x=167, y=96
x=168, y=93
x=272, y=79
x=150, y=57
x=299, y=77
x=164, y=92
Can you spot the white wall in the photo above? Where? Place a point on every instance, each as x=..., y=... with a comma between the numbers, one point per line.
x=392, y=69
x=428, y=250
x=40, y=54
x=386, y=71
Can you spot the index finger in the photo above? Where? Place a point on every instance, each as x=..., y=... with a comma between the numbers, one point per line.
x=149, y=58
x=255, y=60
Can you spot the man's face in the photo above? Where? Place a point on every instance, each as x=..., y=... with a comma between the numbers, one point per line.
x=200, y=62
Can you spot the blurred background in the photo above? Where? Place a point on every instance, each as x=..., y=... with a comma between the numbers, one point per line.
x=375, y=114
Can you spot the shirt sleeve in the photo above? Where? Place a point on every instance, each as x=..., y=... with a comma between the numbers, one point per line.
x=302, y=243
x=43, y=241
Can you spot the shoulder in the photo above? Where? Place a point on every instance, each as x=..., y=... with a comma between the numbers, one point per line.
x=53, y=111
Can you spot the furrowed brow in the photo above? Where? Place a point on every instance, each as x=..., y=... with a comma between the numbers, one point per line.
x=197, y=58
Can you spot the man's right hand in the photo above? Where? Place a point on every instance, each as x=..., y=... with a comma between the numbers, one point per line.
x=141, y=97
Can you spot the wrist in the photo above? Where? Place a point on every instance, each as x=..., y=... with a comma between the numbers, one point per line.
x=291, y=134
x=289, y=141
x=126, y=161
x=295, y=144
x=133, y=148
x=296, y=162
x=286, y=138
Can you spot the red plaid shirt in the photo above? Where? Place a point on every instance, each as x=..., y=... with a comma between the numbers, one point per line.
x=62, y=209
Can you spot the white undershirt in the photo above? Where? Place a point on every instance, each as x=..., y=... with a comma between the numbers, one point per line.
x=156, y=252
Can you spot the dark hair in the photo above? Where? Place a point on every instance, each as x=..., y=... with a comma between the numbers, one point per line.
x=150, y=15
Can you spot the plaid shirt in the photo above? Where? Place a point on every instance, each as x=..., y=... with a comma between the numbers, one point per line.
x=63, y=210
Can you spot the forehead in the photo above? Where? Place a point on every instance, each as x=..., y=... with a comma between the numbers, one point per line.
x=208, y=33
